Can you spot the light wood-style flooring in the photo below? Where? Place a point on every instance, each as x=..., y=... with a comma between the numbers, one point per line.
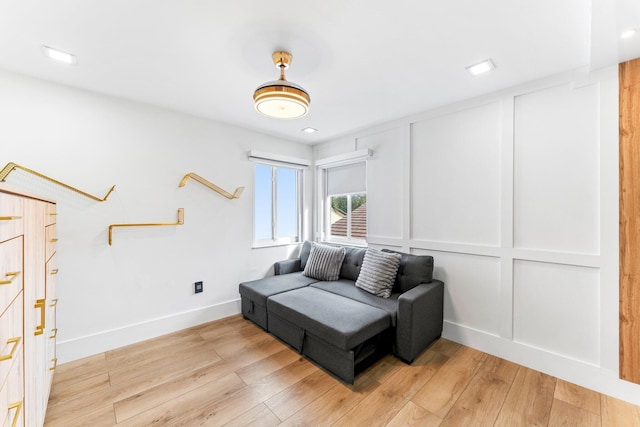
x=231, y=373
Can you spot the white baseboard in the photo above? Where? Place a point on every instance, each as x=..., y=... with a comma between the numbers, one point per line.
x=574, y=371
x=89, y=345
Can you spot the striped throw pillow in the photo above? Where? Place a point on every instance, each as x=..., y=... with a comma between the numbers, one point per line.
x=324, y=262
x=378, y=272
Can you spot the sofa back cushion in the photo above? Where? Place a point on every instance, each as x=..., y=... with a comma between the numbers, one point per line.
x=304, y=254
x=324, y=262
x=378, y=273
x=352, y=263
x=413, y=270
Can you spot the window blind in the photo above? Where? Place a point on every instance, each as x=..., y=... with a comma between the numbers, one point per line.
x=347, y=179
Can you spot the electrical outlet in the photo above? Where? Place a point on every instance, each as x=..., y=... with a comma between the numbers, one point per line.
x=199, y=287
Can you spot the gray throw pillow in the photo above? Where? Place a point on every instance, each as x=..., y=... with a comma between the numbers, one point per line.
x=324, y=262
x=378, y=272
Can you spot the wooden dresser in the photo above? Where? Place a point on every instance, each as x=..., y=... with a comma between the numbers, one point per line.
x=27, y=307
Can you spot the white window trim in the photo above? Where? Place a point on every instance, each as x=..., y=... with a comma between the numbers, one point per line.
x=322, y=210
x=348, y=240
x=276, y=159
x=277, y=162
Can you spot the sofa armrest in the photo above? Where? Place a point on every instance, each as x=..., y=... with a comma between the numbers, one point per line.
x=287, y=266
x=420, y=318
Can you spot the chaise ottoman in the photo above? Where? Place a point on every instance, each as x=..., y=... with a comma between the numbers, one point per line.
x=254, y=294
x=343, y=335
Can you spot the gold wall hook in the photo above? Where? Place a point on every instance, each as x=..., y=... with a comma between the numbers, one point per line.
x=10, y=167
x=157, y=224
x=236, y=194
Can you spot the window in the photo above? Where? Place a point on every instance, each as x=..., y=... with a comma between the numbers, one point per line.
x=346, y=204
x=277, y=207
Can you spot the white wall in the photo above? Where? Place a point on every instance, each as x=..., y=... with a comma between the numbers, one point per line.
x=142, y=285
x=516, y=196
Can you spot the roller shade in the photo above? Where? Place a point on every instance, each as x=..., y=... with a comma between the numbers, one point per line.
x=347, y=179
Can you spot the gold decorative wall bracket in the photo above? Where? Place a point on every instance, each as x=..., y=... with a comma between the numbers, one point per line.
x=236, y=194
x=158, y=224
x=10, y=167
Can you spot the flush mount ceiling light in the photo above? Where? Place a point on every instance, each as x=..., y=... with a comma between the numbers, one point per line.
x=59, y=55
x=481, y=67
x=280, y=98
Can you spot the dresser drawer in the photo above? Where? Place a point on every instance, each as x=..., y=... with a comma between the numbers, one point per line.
x=11, y=337
x=11, y=274
x=50, y=210
x=12, y=395
x=11, y=216
x=50, y=240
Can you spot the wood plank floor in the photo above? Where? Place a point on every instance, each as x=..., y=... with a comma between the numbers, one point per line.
x=231, y=373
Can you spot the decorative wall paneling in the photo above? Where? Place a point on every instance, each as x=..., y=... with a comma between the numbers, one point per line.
x=514, y=194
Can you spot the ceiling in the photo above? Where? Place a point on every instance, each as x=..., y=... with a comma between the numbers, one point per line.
x=363, y=62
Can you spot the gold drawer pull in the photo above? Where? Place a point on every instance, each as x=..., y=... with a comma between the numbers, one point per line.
x=53, y=240
x=9, y=218
x=40, y=328
x=55, y=364
x=55, y=333
x=17, y=406
x=53, y=214
x=54, y=271
x=15, y=341
x=12, y=274
x=54, y=302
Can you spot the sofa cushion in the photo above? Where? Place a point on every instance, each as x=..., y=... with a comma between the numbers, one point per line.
x=378, y=272
x=324, y=262
x=352, y=263
x=304, y=254
x=258, y=290
x=347, y=289
x=342, y=322
x=413, y=270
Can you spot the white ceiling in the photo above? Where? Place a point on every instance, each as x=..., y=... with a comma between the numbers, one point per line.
x=362, y=61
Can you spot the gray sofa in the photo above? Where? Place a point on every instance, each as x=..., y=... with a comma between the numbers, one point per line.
x=340, y=326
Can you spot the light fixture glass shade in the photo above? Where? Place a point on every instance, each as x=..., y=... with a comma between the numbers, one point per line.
x=280, y=98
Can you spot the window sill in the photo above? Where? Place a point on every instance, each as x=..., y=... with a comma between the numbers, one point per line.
x=274, y=245
x=345, y=243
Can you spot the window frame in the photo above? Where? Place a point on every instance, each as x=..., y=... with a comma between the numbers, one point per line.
x=275, y=240
x=348, y=239
x=324, y=205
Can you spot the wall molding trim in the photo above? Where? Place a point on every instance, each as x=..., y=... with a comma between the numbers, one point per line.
x=568, y=369
x=90, y=345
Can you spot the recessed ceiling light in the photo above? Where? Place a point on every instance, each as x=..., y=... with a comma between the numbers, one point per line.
x=309, y=130
x=628, y=33
x=59, y=55
x=481, y=67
